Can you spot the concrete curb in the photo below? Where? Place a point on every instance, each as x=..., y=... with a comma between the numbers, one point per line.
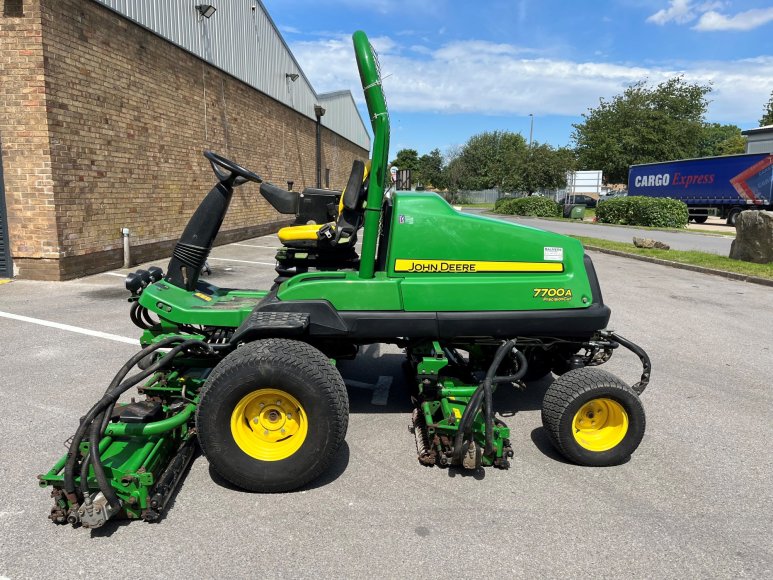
x=692, y=268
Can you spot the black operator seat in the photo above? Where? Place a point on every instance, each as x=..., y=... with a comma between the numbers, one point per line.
x=342, y=232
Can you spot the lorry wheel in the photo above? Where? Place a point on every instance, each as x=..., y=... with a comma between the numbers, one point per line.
x=592, y=417
x=272, y=415
x=732, y=217
x=700, y=219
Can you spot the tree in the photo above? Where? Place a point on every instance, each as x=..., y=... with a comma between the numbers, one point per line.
x=453, y=172
x=489, y=160
x=407, y=159
x=545, y=168
x=502, y=159
x=644, y=124
x=767, y=114
x=719, y=139
x=430, y=170
x=732, y=145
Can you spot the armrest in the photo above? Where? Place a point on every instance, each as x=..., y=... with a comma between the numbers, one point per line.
x=282, y=200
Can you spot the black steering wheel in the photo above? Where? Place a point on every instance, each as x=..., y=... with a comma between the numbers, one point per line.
x=236, y=173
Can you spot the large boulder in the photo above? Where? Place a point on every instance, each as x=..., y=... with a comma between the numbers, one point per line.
x=650, y=243
x=754, y=237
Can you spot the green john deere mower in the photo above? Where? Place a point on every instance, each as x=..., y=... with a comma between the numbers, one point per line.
x=477, y=304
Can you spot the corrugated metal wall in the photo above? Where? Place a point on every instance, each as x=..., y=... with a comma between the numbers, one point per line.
x=339, y=106
x=762, y=143
x=241, y=39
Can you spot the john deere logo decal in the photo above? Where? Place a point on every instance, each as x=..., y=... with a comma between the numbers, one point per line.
x=469, y=266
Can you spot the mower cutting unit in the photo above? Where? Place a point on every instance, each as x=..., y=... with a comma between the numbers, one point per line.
x=477, y=304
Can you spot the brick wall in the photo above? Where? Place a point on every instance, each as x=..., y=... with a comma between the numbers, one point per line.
x=117, y=136
x=26, y=156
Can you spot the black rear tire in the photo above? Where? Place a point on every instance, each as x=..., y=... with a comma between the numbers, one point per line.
x=301, y=374
x=700, y=219
x=602, y=397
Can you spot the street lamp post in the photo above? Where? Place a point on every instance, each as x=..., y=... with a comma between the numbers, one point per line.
x=319, y=112
x=531, y=128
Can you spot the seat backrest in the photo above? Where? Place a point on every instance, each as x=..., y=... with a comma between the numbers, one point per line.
x=352, y=205
x=354, y=187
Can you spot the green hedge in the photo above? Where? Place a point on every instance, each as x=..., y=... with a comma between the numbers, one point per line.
x=498, y=203
x=659, y=212
x=533, y=206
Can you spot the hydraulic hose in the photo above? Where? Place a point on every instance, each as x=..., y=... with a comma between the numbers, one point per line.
x=109, y=401
x=643, y=357
x=85, y=475
x=488, y=408
x=134, y=314
x=484, y=395
x=72, y=453
x=522, y=365
x=140, y=316
x=145, y=315
x=465, y=423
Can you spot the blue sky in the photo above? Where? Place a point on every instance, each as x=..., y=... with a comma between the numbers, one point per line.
x=456, y=68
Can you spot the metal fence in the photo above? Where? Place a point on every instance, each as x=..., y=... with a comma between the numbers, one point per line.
x=491, y=195
x=480, y=196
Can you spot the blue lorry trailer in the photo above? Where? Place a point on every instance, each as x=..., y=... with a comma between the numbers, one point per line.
x=723, y=186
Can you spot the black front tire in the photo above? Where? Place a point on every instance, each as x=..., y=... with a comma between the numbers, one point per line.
x=296, y=369
x=582, y=389
x=700, y=219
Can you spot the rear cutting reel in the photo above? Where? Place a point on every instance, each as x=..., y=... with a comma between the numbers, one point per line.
x=592, y=417
x=454, y=422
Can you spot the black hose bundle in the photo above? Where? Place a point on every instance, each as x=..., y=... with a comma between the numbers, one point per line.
x=98, y=417
x=140, y=316
x=483, y=396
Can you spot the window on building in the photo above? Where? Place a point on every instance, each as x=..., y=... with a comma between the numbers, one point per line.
x=13, y=8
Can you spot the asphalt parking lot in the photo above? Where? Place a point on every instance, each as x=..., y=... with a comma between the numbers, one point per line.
x=695, y=500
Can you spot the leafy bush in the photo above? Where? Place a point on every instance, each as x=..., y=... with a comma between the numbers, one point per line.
x=531, y=206
x=498, y=203
x=659, y=212
x=613, y=211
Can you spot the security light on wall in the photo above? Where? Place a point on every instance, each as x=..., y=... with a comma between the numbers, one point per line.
x=292, y=76
x=206, y=10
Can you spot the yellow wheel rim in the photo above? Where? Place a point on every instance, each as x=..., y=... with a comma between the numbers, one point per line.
x=600, y=425
x=269, y=424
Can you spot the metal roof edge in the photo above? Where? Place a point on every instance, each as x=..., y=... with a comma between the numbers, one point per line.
x=284, y=44
x=763, y=129
x=331, y=94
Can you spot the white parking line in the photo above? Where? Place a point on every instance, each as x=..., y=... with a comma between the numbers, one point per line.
x=242, y=261
x=114, y=274
x=254, y=246
x=70, y=328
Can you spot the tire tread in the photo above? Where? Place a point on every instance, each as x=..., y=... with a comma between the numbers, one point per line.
x=568, y=388
x=309, y=360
